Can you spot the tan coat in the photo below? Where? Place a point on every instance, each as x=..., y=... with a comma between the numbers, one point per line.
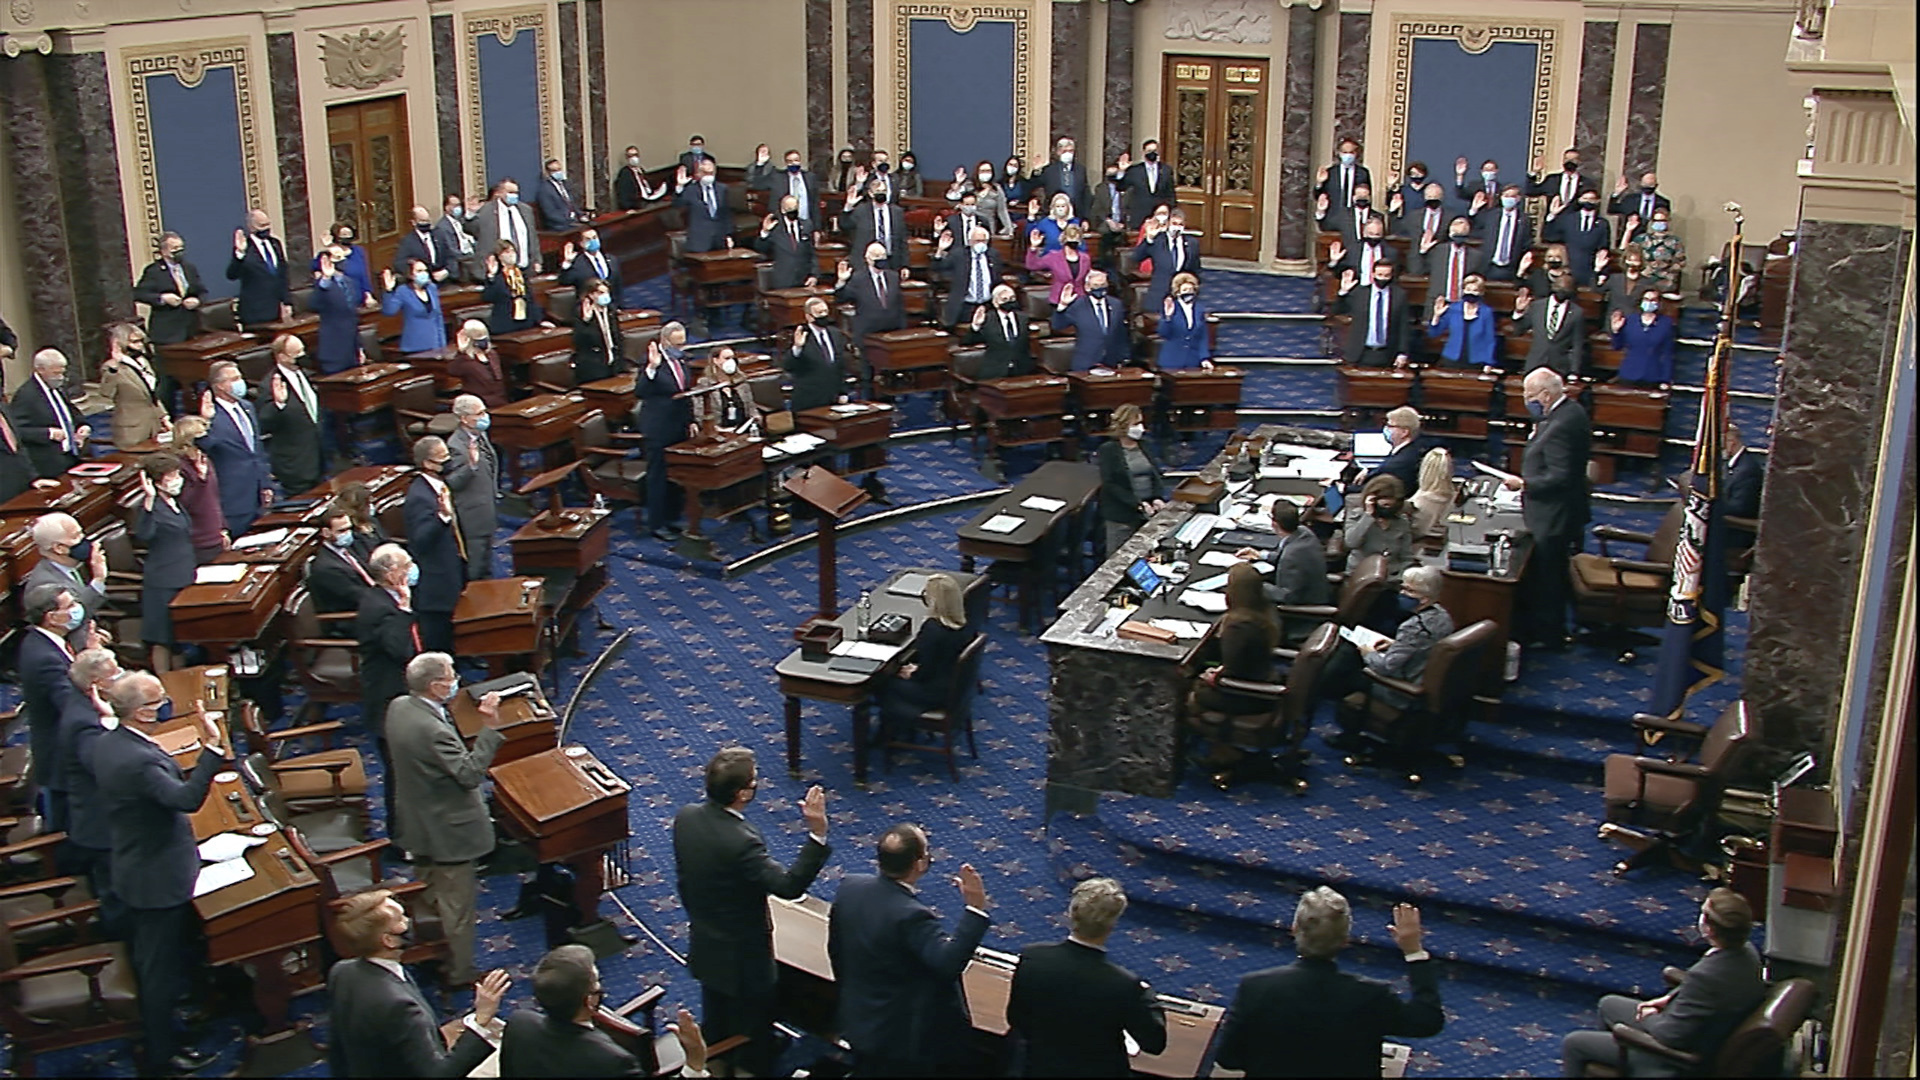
x=137, y=417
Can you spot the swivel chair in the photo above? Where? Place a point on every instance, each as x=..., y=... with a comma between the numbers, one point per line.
x=1669, y=811
x=1271, y=738
x=1402, y=722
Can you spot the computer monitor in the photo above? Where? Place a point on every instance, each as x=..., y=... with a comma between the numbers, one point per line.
x=1141, y=574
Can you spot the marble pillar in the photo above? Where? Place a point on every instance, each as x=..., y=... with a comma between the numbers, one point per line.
x=1842, y=322
x=859, y=74
x=290, y=149
x=1296, y=124
x=91, y=198
x=572, y=123
x=1350, y=78
x=1067, y=81
x=820, y=151
x=1646, y=97
x=1594, y=107
x=34, y=133
x=1118, y=115
x=602, y=145
x=446, y=107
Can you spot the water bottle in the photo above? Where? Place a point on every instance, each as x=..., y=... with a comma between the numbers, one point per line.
x=599, y=503
x=860, y=615
x=1502, y=554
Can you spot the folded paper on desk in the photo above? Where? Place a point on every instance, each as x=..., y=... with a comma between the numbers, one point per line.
x=1364, y=639
x=259, y=539
x=1211, y=584
x=1185, y=628
x=215, y=876
x=909, y=585
x=1002, y=523
x=1042, y=503
x=867, y=650
x=219, y=574
x=227, y=845
x=1212, y=602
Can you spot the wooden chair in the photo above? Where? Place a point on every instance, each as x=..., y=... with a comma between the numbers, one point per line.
x=72, y=997
x=608, y=471
x=327, y=668
x=327, y=828
x=330, y=778
x=943, y=722
x=415, y=405
x=356, y=869
x=961, y=388
x=1403, y=721
x=1664, y=810
x=1361, y=589
x=1612, y=595
x=552, y=374
x=23, y=903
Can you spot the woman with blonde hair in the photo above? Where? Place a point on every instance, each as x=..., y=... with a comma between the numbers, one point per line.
x=1059, y=216
x=1130, y=483
x=926, y=682
x=200, y=493
x=1435, y=497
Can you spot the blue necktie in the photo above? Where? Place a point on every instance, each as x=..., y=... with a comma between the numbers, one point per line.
x=1377, y=334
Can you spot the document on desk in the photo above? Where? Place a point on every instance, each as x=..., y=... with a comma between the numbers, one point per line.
x=1185, y=628
x=1364, y=639
x=1002, y=523
x=1042, y=503
x=1197, y=529
x=1211, y=602
x=260, y=539
x=225, y=846
x=1212, y=584
x=867, y=650
x=216, y=876
x=219, y=573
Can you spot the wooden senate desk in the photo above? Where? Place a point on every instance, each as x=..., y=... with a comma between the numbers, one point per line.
x=543, y=423
x=858, y=429
x=222, y=616
x=524, y=717
x=570, y=809
x=500, y=620
x=1203, y=400
x=567, y=550
x=518, y=348
x=186, y=362
x=291, y=550
x=912, y=361
x=437, y=363
x=1040, y=517
x=847, y=680
x=722, y=477
x=614, y=397
x=1096, y=395
x=1023, y=410
x=636, y=239
x=360, y=390
x=787, y=308
x=727, y=276
x=385, y=483
x=90, y=501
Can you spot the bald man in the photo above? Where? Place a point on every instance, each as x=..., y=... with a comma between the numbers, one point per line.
x=1554, y=503
x=259, y=265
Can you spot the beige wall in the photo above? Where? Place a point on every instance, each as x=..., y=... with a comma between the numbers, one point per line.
x=732, y=70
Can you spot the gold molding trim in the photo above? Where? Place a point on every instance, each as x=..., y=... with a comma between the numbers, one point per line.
x=189, y=62
x=505, y=25
x=1475, y=36
x=961, y=18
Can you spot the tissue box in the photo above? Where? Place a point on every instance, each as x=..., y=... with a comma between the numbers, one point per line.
x=817, y=641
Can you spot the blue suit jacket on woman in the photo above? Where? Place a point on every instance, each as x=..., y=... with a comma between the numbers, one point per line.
x=1184, y=343
x=422, y=327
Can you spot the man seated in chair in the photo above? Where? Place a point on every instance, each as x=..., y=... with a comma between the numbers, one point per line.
x=1717, y=993
x=561, y=1039
x=1403, y=657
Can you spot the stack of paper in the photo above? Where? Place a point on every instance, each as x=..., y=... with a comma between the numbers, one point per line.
x=259, y=539
x=1042, y=503
x=1364, y=639
x=1211, y=602
x=1002, y=523
x=1197, y=529
x=1212, y=584
x=867, y=650
x=226, y=857
x=1185, y=628
x=219, y=573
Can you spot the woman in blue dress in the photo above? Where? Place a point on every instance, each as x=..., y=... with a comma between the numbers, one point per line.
x=1647, y=337
x=417, y=301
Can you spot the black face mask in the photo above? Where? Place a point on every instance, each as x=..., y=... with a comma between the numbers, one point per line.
x=879, y=264
x=880, y=168
x=879, y=197
x=1570, y=166
x=1383, y=282
x=136, y=349
x=1416, y=179
x=1362, y=204
x=819, y=320
x=479, y=344
x=1459, y=237
x=1153, y=155
x=1383, y=511
x=82, y=551
x=1563, y=295
x=1099, y=293
x=1470, y=297
x=790, y=214
x=1432, y=201
x=1590, y=207
x=1556, y=262
x=1376, y=240
x=1646, y=189
x=1008, y=305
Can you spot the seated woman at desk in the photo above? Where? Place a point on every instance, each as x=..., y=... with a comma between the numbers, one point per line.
x=417, y=301
x=1248, y=633
x=728, y=402
x=1423, y=623
x=1431, y=503
x=926, y=682
x=511, y=295
x=1381, y=527
x=1647, y=337
x=1131, y=489
x=167, y=530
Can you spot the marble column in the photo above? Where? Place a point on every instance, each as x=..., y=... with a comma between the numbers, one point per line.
x=34, y=133
x=1118, y=118
x=1067, y=111
x=820, y=151
x=1646, y=97
x=1350, y=78
x=859, y=74
x=290, y=149
x=1594, y=107
x=91, y=198
x=1296, y=123
x=446, y=107
x=573, y=124
x=602, y=152
x=1842, y=324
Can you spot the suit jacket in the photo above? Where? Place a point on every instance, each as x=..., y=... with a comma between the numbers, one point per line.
x=626, y=187
x=779, y=184
x=433, y=545
x=1056, y=177
x=1565, y=351
x=1403, y=465
x=499, y=293
x=557, y=201
x=382, y=1026
x=539, y=1045
x=1582, y=243
x=599, y=348
x=1746, y=476
x=422, y=326
x=713, y=402
x=169, y=325
x=707, y=230
x=1341, y=180
x=1632, y=203
x=1719, y=992
x=1349, y=222
x=34, y=414
x=664, y=419
x=899, y=972
x=388, y=639
x=293, y=436
x=17, y=472
x=1412, y=224
x=139, y=409
x=262, y=285
x=336, y=299
x=1547, y=185
x=476, y=488
x=1300, y=570
x=1091, y=347
x=245, y=471
x=431, y=247
x=87, y=821
x=1433, y=264
x=793, y=260
x=448, y=235
x=1005, y=356
x=1358, y=303
x=155, y=857
x=860, y=223
x=958, y=265
x=44, y=691
x=1184, y=339
x=871, y=313
x=481, y=375
x=45, y=572
x=1070, y=1006
x=334, y=583
x=1119, y=503
x=1309, y=1018
x=1144, y=194
x=587, y=265
x=168, y=534
x=724, y=878
x=437, y=782
x=1487, y=227
x=1160, y=250
x=487, y=234
x=1554, y=503
x=819, y=375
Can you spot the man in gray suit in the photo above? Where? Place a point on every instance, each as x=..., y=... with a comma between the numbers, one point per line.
x=1697, y=1016
x=442, y=808
x=68, y=560
x=1300, y=564
x=473, y=472
x=505, y=217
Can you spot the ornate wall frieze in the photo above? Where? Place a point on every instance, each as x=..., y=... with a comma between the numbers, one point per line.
x=1236, y=22
x=961, y=17
x=365, y=58
x=188, y=62
x=505, y=25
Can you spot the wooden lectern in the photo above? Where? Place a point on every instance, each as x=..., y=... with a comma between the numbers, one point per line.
x=832, y=499
x=570, y=809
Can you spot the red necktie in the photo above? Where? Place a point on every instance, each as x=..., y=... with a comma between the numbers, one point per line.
x=13, y=445
x=413, y=630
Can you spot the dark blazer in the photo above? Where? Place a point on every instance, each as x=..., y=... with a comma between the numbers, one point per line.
x=706, y=231
x=169, y=325
x=1549, y=184
x=859, y=223
x=557, y=202
x=1404, y=465
x=431, y=543
x=1582, y=243
x=587, y=265
x=626, y=187
x=336, y=300
x=777, y=184
x=1005, y=356
x=818, y=379
x=1433, y=263
x=1300, y=570
x=44, y=689
x=958, y=265
x=724, y=877
x=1554, y=504
x=440, y=804
x=1719, y=992
x=1070, y=1005
x=936, y=657
x=382, y=1026
x=155, y=861
x=899, y=972
x=263, y=287
x=1185, y=341
x=244, y=471
x=1632, y=203
x=293, y=444
x=1309, y=1018
x=33, y=413
x=871, y=314
x=1565, y=351
x=334, y=583
x=538, y=1045
x=1160, y=250
x=481, y=375
x=1341, y=180
x=1118, y=503
x=168, y=535
x=1358, y=303
x=1740, y=493
x=599, y=348
x=1144, y=194
x=447, y=234
x=87, y=823
x=793, y=261
x=1056, y=177
x=387, y=641
x=1487, y=227
x=430, y=247
x=1412, y=224
x=1091, y=347
x=664, y=419
x=496, y=292
x=16, y=465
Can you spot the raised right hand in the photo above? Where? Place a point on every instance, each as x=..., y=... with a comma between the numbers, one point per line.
x=277, y=388
x=799, y=336
x=1321, y=176
x=1479, y=202
x=1427, y=243
x=493, y=265
x=973, y=892
x=767, y=223
x=239, y=243
x=1321, y=203
x=1406, y=928
x=1336, y=251
x=1460, y=166
x=1617, y=320
x=979, y=317
x=1348, y=279
x=1066, y=294
x=566, y=251
x=813, y=810
x=1620, y=185
x=206, y=404
x=386, y=280
x=959, y=176
x=487, y=994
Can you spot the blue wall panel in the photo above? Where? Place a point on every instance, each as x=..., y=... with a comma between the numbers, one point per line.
x=510, y=109
x=962, y=97
x=1476, y=106
x=198, y=168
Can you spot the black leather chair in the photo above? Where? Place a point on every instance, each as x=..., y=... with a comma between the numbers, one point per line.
x=1403, y=723
x=1270, y=739
x=1360, y=591
x=956, y=716
x=609, y=471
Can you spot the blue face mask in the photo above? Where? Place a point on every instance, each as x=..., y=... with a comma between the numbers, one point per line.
x=239, y=388
x=593, y=244
x=603, y=299
x=1657, y=226
x=1409, y=604
x=421, y=277
x=343, y=541
x=1536, y=410
x=483, y=423
x=558, y=174
x=1347, y=159
x=1649, y=306
x=979, y=249
x=1488, y=174
x=793, y=170
x=1509, y=201
x=76, y=615
x=413, y=575
x=513, y=198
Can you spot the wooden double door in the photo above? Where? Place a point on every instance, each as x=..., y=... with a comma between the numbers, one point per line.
x=372, y=166
x=1213, y=133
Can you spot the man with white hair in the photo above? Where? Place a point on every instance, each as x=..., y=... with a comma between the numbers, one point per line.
x=47, y=423
x=388, y=637
x=473, y=474
x=478, y=369
x=1071, y=1006
x=1404, y=656
x=1554, y=504
x=874, y=292
x=1309, y=1018
x=68, y=559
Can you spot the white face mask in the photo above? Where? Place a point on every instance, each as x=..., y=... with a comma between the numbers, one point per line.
x=633, y=160
x=727, y=366
x=1136, y=431
x=1066, y=157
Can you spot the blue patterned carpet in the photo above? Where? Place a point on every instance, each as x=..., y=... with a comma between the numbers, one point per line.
x=1501, y=856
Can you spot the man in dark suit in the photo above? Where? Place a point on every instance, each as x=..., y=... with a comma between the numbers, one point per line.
x=450, y=233
x=425, y=242
x=696, y=155
x=1381, y=334
x=473, y=475
x=235, y=445
x=560, y=1039
x=291, y=419
x=434, y=541
x=1556, y=329
x=874, y=293
x=1638, y=203
x=817, y=360
x=1554, y=506
x=1361, y=257
x=47, y=423
x=666, y=418
x=901, y=1007
x=1402, y=431
x=1482, y=189
x=1173, y=250
x=389, y=639
x=877, y=220
x=1425, y=219
x=587, y=262
x=1309, y=1018
x=788, y=241
x=1346, y=181
x=709, y=218
x=1718, y=993
x=972, y=268
x=1003, y=331
x=381, y=1023
x=17, y=472
x=1299, y=564
x=43, y=663
x=88, y=851
x=1448, y=263
x=555, y=198
x=1505, y=233
x=1071, y=1007
x=1101, y=338
x=1148, y=184
x=1066, y=174
x=1564, y=185
x=630, y=185
x=171, y=288
x=796, y=180
x=339, y=575
x=724, y=878
x=69, y=560
x=1740, y=491
x=155, y=861
x=1348, y=221
x=1584, y=230
x=259, y=264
